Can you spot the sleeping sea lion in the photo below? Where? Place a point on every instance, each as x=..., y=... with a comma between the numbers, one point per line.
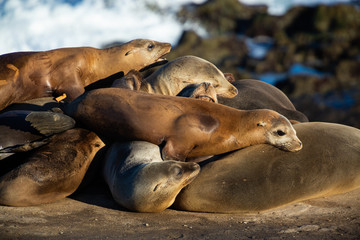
x=28, y=75
x=203, y=91
x=140, y=180
x=51, y=172
x=260, y=177
x=171, y=78
x=255, y=94
x=185, y=127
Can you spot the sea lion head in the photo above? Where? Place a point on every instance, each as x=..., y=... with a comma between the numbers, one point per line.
x=160, y=182
x=203, y=91
x=185, y=70
x=145, y=52
x=279, y=132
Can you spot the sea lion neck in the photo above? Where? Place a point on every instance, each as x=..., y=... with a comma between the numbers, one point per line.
x=107, y=62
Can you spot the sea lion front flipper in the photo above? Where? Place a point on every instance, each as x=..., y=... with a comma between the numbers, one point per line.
x=48, y=123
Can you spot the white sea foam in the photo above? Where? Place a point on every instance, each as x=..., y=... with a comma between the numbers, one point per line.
x=47, y=24
x=27, y=25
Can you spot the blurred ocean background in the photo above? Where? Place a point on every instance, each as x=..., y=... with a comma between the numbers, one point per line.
x=310, y=49
x=46, y=24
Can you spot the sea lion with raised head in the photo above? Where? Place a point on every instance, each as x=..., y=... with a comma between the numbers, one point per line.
x=140, y=180
x=260, y=177
x=171, y=78
x=27, y=75
x=185, y=127
x=255, y=94
x=51, y=172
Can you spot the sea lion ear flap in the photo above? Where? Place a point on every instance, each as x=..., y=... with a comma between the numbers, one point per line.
x=230, y=77
x=128, y=52
x=261, y=124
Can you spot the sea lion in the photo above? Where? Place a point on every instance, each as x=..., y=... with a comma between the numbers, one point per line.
x=255, y=94
x=185, y=127
x=27, y=75
x=24, y=130
x=51, y=172
x=203, y=91
x=260, y=177
x=140, y=180
x=171, y=78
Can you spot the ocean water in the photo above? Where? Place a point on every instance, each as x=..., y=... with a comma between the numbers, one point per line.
x=30, y=25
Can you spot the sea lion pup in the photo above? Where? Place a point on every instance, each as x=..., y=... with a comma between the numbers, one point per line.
x=27, y=75
x=203, y=91
x=260, y=177
x=140, y=180
x=51, y=172
x=255, y=94
x=171, y=78
x=24, y=130
x=185, y=127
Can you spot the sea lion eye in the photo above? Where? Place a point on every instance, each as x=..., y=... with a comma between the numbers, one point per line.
x=178, y=172
x=280, y=133
x=150, y=46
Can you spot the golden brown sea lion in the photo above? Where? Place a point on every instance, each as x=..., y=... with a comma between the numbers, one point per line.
x=171, y=78
x=51, y=172
x=186, y=127
x=260, y=177
x=27, y=75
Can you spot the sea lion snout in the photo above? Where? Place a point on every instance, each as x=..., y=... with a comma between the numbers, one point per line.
x=295, y=146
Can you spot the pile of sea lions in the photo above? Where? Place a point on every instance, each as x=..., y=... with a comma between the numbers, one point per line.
x=187, y=136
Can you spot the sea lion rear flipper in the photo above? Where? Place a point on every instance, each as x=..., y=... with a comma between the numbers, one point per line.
x=23, y=148
x=49, y=123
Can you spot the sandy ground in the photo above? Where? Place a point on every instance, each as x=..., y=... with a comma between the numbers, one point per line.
x=92, y=214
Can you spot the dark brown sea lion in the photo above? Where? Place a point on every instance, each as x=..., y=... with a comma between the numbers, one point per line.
x=140, y=180
x=171, y=78
x=260, y=177
x=255, y=94
x=28, y=75
x=51, y=172
x=186, y=127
